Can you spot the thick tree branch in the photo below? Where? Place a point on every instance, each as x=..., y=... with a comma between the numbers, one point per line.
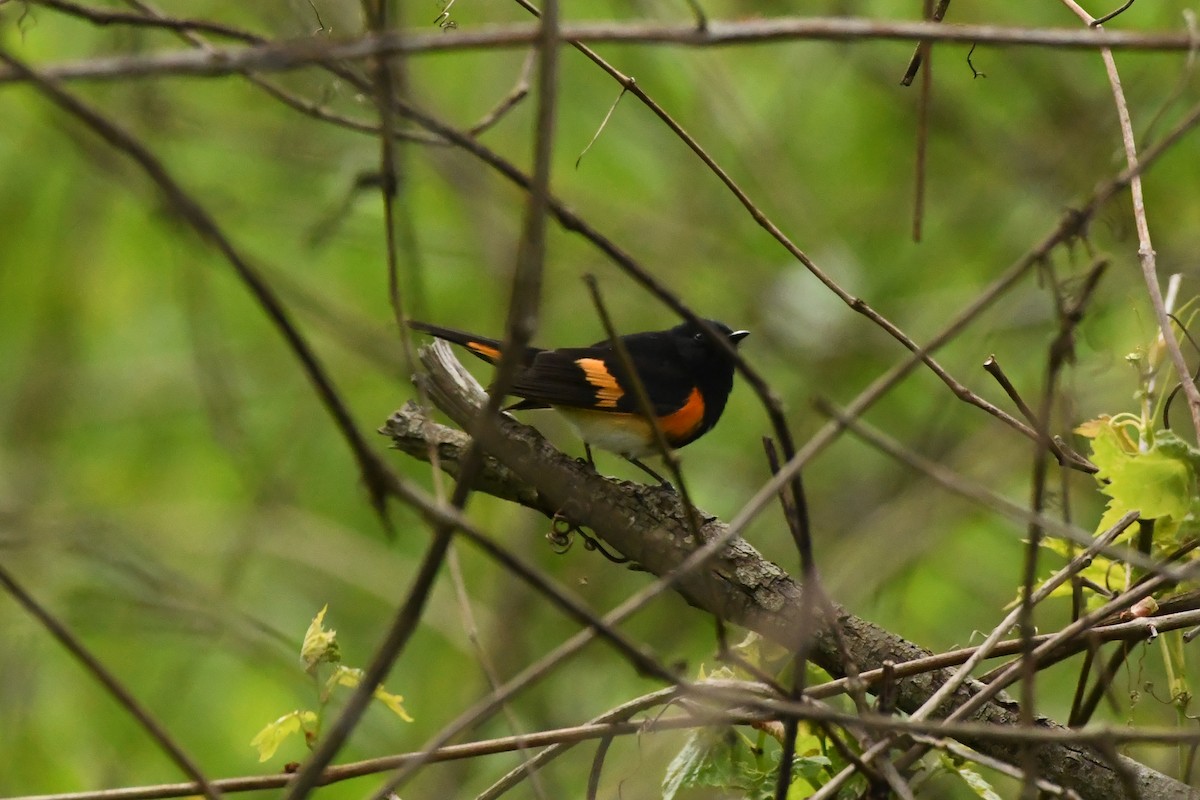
x=649, y=525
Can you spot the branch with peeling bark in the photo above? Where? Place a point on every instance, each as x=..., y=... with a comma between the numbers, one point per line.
x=649, y=525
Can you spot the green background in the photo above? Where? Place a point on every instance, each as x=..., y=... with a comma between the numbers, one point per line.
x=172, y=489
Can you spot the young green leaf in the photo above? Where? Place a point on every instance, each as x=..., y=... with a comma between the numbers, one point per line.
x=1159, y=481
x=320, y=645
x=346, y=676
x=977, y=783
x=394, y=702
x=704, y=761
x=269, y=738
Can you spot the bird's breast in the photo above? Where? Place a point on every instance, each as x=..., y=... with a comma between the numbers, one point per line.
x=624, y=434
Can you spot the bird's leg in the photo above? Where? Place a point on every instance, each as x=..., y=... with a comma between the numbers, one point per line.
x=666, y=484
x=591, y=462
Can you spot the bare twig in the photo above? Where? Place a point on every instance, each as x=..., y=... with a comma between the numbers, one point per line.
x=1059, y=352
x=984, y=496
x=1121, y=9
x=645, y=406
x=290, y=54
x=522, y=322
x=984, y=650
x=924, y=100
x=112, y=685
x=1068, y=226
x=923, y=54
x=993, y=368
x=373, y=471
x=358, y=769
x=914, y=63
x=177, y=24
x=1146, y=255
x=603, y=125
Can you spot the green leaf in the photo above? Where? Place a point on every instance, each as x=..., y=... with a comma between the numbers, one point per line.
x=703, y=761
x=713, y=758
x=958, y=760
x=344, y=676
x=977, y=782
x=350, y=677
x=320, y=645
x=1112, y=514
x=1111, y=446
x=394, y=702
x=1170, y=444
x=1157, y=484
x=269, y=738
x=812, y=768
x=762, y=653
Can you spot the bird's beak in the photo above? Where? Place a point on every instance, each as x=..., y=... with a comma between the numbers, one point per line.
x=737, y=336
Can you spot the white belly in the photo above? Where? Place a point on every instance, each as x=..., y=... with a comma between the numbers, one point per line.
x=624, y=434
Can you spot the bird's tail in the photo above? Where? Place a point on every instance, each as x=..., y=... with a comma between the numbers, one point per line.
x=481, y=346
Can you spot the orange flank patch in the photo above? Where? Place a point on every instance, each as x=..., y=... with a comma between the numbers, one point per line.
x=679, y=425
x=485, y=350
x=608, y=391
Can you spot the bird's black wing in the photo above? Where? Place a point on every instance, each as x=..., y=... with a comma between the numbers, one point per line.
x=594, y=378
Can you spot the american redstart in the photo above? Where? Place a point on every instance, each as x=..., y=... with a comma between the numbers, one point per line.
x=686, y=375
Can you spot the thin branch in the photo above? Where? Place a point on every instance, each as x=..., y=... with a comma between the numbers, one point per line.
x=191, y=34
x=964, y=753
x=510, y=101
x=985, y=649
x=522, y=322
x=373, y=470
x=1146, y=255
x=289, y=54
x=391, y=82
x=590, y=731
x=1068, y=227
x=456, y=752
x=1142, y=629
x=176, y=24
x=924, y=101
x=914, y=63
x=645, y=406
x=114, y=687
x=983, y=495
x=1112, y=14
x=992, y=367
x=923, y=55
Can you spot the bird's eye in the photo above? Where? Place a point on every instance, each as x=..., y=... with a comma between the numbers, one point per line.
x=699, y=337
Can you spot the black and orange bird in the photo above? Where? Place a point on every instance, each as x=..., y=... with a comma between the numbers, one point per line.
x=687, y=377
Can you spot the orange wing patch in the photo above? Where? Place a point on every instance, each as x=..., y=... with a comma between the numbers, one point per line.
x=485, y=350
x=679, y=425
x=608, y=391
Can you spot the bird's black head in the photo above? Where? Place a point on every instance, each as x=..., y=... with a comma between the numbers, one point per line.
x=711, y=367
x=697, y=347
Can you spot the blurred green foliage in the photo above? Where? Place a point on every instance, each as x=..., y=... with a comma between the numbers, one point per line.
x=171, y=487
